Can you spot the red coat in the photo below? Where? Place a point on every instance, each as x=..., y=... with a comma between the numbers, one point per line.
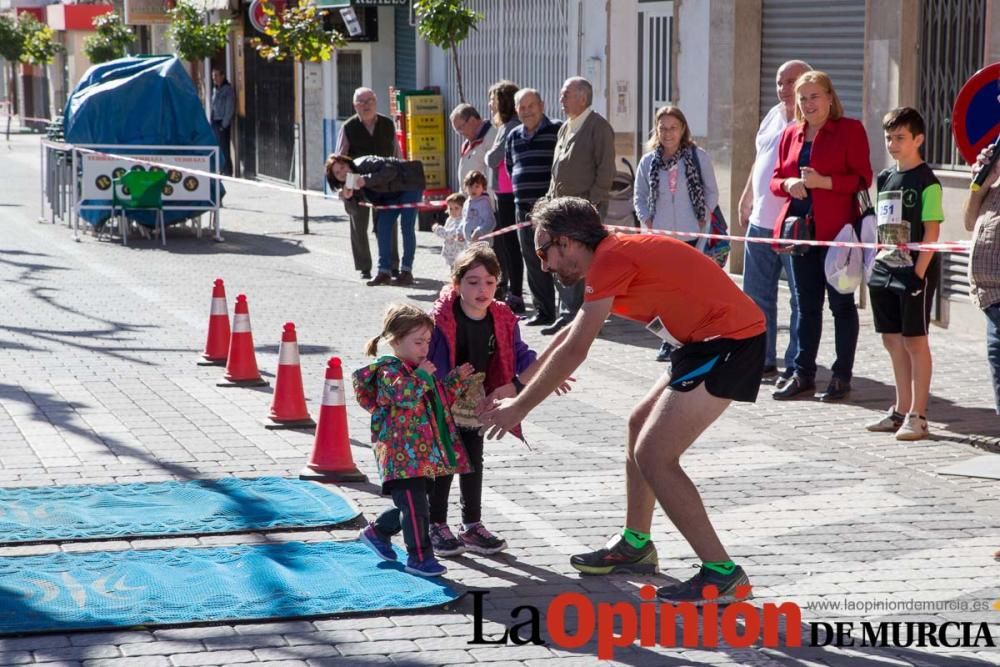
x=839, y=150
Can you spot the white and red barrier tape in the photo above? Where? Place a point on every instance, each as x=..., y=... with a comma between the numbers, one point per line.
x=25, y=119
x=941, y=246
x=438, y=204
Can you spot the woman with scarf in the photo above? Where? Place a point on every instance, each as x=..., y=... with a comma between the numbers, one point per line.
x=675, y=188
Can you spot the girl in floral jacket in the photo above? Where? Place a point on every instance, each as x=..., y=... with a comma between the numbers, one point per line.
x=413, y=432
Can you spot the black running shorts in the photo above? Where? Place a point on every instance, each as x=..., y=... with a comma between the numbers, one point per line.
x=904, y=314
x=729, y=368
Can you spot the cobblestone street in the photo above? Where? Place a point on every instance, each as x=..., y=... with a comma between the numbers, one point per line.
x=98, y=384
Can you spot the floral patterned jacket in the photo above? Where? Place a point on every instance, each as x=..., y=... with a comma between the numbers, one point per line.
x=405, y=430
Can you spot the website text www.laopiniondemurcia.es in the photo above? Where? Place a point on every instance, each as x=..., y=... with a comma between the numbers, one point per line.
x=572, y=621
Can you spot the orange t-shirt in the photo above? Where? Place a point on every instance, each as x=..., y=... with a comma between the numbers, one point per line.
x=654, y=277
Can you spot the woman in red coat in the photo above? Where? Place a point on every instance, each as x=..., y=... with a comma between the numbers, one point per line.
x=822, y=164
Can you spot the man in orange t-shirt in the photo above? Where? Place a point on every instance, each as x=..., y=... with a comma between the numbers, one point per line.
x=683, y=297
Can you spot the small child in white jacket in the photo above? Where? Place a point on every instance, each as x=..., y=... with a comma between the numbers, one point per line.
x=477, y=214
x=451, y=230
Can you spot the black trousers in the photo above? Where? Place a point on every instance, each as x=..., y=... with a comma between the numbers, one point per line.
x=508, y=247
x=540, y=283
x=409, y=515
x=223, y=135
x=811, y=287
x=470, y=484
x=360, y=248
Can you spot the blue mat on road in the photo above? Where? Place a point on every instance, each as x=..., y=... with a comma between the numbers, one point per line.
x=117, y=589
x=230, y=505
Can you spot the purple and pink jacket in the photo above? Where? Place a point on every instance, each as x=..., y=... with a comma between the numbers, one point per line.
x=513, y=356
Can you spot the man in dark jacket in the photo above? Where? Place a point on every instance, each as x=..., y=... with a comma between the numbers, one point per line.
x=529, y=150
x=367, y=132
x=223, y=110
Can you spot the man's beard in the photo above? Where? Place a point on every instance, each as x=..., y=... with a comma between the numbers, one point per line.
x=568, y=281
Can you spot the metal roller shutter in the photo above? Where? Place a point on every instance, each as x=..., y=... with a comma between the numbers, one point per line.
x=525, y=41
x=955, y=276
x=830, y=36
x=406, y=50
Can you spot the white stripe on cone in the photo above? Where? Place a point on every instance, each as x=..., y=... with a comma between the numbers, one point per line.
x=219, y=306
x=288, y=354
x=241, y=324
x=333, y=393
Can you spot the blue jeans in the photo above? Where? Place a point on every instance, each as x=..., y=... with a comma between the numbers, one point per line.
x=385, y=224
x=761, y=271
x=811, y=287
x=993, y=348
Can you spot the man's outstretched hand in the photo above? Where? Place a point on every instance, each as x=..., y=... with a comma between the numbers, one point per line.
x=502, y=416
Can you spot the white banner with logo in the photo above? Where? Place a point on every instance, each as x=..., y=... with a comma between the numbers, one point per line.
x=182, y=191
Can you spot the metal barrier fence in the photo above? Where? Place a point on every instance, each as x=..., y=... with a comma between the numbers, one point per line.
x=57, y=196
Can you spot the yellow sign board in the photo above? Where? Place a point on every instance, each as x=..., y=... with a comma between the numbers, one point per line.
x=425, y=136
x=425, y=104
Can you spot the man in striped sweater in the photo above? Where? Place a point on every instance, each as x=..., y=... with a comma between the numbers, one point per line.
x=530, y=147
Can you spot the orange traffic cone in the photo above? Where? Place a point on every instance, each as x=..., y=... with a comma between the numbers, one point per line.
x=288, y=410
x=217, y=343
x=331, y=460
x=241, y=366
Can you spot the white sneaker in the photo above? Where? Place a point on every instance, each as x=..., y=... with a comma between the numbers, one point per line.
x=889, y=423
x=914, y=428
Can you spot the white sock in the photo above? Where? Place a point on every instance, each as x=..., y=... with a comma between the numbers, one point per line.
x=470, y=526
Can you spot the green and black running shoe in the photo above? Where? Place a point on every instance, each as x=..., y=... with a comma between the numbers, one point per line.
x=618, y=556
x=692, y=590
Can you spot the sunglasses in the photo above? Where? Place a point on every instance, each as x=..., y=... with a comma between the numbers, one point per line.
x=542, y=251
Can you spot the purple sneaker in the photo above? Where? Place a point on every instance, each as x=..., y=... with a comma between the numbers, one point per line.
x=478, y=540
x=444, y=542
x=428, y=567
x=374, y=541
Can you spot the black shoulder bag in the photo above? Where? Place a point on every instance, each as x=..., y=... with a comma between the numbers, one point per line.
x=798, y=228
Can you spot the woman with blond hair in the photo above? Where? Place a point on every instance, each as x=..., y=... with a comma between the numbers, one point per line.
x=823, y=163
x=675, y=187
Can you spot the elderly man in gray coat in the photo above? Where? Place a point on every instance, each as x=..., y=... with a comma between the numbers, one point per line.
x=583, y=166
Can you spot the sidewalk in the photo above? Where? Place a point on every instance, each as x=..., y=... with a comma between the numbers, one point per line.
x=98, y=384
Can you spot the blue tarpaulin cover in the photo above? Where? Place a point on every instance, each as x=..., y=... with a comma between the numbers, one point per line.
x=148, y=100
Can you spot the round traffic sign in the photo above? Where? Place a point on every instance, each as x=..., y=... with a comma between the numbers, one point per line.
x=256, y=13
x=975, y=119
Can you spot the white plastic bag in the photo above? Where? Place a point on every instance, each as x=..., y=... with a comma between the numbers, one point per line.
x=869, y=234
x=844, y=266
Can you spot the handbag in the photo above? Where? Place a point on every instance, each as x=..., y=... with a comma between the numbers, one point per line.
x=797, y=228
x=892, y=279
x=717, y=249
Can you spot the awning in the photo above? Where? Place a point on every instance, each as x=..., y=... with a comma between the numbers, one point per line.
x=332, y=4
